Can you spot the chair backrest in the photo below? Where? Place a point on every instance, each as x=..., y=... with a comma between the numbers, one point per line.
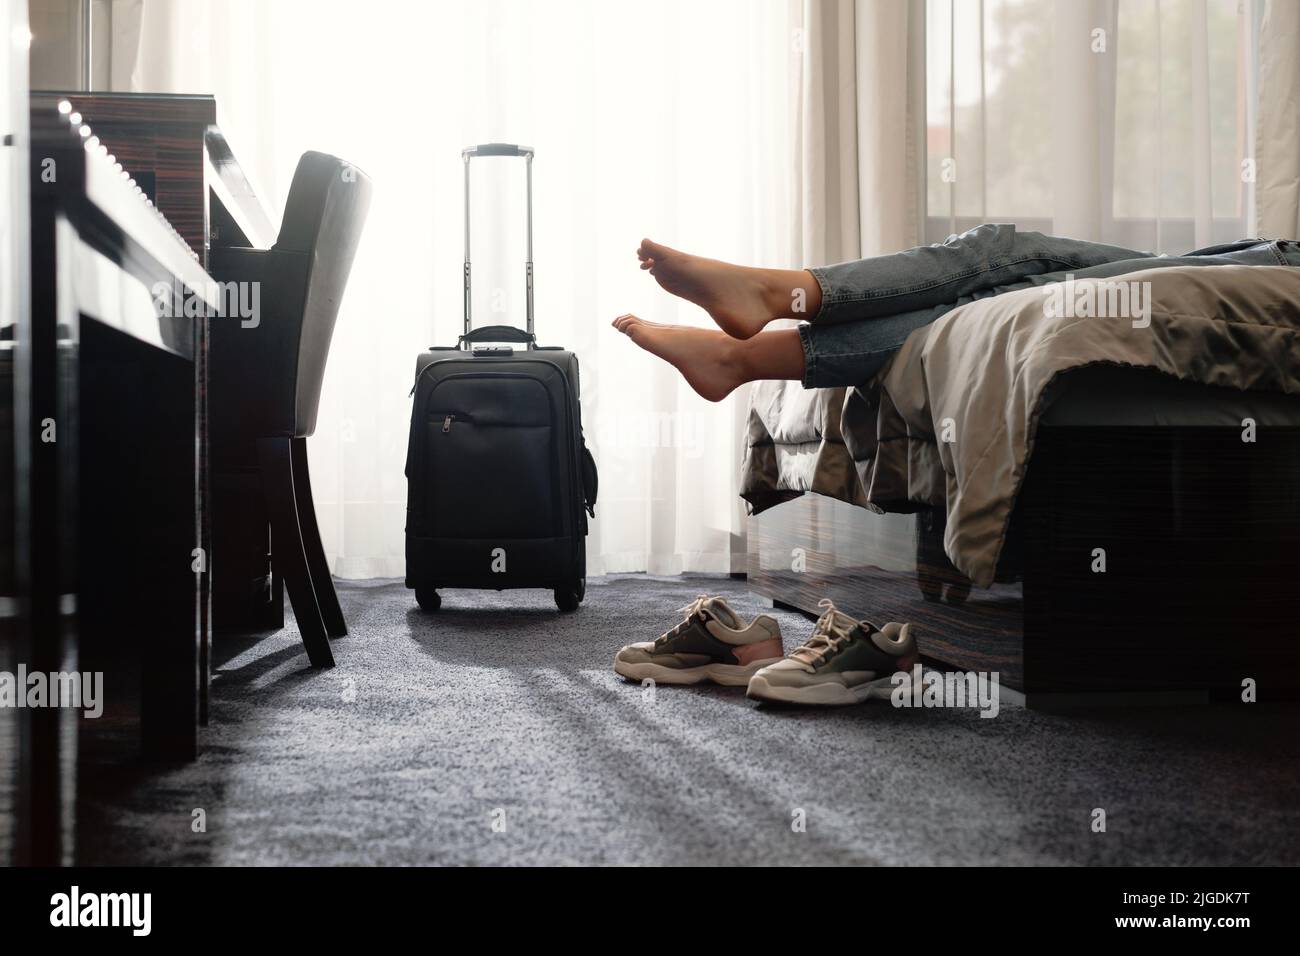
x=328, y=202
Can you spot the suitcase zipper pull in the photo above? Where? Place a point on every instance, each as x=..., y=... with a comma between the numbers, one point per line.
x=446, y=423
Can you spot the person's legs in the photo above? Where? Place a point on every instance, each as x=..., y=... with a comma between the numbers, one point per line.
x=853, y=297
x=837, y=349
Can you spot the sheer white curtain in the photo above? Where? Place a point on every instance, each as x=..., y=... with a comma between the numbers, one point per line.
x=1127, y=121
x=670, y=121
x=1157, y=124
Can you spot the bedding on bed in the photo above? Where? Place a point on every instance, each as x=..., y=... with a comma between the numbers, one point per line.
x=951, y=420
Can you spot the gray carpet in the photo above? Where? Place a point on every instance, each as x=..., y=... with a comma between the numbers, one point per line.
x=431, y=725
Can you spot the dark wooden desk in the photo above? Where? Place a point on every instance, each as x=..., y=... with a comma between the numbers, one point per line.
x=108, y=437
x=113, y=554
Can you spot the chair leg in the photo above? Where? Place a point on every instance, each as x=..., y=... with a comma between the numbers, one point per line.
x=288, y=554
x=319, y=568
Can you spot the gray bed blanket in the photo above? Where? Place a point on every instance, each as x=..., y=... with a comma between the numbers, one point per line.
x=951, y=420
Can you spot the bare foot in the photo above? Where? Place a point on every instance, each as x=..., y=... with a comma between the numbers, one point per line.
x=741, y=300
x=708, y=360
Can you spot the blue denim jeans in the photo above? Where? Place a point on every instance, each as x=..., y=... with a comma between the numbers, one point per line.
x=871, y=306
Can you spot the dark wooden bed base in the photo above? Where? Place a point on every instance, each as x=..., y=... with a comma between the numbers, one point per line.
x=1201, y=533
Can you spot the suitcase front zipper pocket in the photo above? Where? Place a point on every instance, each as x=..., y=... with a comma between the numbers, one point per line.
x=491, y=474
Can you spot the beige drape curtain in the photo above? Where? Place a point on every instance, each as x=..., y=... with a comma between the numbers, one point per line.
x=1278, y=137
x=891, y=124
x=1083, y=178
x=857, y=127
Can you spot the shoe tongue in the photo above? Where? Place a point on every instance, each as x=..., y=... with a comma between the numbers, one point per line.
x=719, y=609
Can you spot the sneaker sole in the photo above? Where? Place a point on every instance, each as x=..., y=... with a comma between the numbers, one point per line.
x=828, y=694
x=728, y=675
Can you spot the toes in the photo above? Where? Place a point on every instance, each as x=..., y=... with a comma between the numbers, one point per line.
x=652, y=250
x=647, y=264
x=623, y=322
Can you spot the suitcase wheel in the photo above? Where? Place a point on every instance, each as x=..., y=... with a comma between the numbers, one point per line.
x=428, y=599
x=567, y=599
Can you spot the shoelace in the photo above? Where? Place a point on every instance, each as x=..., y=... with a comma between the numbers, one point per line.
x=828, y=634
x=690, y=610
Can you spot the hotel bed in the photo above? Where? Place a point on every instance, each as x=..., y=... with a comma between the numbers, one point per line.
x=1084, y=505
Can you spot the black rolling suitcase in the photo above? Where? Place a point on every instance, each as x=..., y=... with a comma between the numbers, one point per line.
x=499, y=480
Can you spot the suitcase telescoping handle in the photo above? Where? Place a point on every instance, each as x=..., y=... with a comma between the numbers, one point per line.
x=501, y=149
